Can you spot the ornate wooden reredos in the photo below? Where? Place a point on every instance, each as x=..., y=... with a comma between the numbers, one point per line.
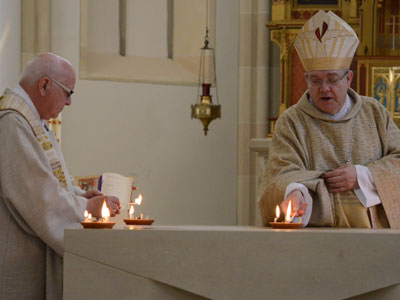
x=376, y=65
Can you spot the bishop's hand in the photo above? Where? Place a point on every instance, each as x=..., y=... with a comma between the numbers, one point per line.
x=299, y=205
x=342, y=179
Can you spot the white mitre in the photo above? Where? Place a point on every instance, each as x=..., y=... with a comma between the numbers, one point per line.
x=326, y=42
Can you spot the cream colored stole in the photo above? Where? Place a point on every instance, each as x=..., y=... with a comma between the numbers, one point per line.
x=349, y=211
x=12, y=101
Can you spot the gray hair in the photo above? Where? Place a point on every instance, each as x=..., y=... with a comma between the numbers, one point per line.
x=45, y=64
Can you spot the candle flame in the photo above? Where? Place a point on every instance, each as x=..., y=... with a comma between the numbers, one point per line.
x=105, y=212
x=86, y=214
x=138, y=200
x=277, y=212
x=90, y=216
x=131, y=210
x=288, y=212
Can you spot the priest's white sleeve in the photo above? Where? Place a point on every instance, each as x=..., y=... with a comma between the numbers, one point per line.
x=367, y=193
x=307, y=198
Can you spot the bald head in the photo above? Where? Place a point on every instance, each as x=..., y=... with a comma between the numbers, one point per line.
x=45, y=64
x=48, y=80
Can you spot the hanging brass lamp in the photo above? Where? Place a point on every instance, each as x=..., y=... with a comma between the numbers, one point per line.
x=204, y=109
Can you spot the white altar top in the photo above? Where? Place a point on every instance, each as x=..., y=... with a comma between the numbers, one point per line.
x=218, y=262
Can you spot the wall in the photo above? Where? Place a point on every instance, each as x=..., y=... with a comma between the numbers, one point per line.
x=10, y=43
x=254, y=83
x=145, y=130
x=146, y=40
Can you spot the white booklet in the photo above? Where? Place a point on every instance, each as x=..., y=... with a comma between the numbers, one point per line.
x=113, y=184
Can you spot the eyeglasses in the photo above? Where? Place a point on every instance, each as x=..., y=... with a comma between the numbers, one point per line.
x=66, y=89
x=331, y=81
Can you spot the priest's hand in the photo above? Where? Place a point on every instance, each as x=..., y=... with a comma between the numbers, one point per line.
x=95, y=204
x=342, y=179
x=299, y=205
x=92, y=193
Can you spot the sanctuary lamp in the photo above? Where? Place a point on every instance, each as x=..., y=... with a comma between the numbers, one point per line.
x=204, y=109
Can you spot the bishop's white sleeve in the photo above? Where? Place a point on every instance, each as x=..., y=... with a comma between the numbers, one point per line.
x=307, y=197
x=367, y=193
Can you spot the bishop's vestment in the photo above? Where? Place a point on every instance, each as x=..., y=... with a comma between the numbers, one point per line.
x=306, y=144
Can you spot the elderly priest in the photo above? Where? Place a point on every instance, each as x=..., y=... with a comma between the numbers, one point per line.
x=37, y=197
x=335, y=154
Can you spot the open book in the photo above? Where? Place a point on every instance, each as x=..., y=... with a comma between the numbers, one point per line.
x=113, y=184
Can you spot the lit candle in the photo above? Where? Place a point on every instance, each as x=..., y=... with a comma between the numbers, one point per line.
x=86, y=215
x=138, y=200
x=105, y=212
x=131, y=211
x=90, y=217
x=288, y=212
x=277, y=213
x=291, y=218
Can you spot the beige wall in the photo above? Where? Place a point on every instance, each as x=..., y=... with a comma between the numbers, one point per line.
x=146, y=33
x=253, y=100
x=146, y=59
x=10, y=42
x=145, y=130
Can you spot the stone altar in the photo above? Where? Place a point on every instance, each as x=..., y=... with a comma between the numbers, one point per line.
x=217, y=262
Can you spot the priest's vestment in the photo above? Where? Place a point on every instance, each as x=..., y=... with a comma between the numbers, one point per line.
x=306, y=144
x=35, y=208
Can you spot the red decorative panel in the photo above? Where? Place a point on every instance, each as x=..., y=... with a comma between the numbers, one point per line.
x=283, y=82
x=338, y=13
x=353, y=67
x=306, y=15
x=296, y=14
x=363, y=80
x=394, y=7
x=381, y=21
x=297, y=82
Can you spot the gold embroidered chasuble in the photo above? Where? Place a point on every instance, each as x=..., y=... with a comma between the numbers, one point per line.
x=11, y=101
x=307, y=144
x=37, y=202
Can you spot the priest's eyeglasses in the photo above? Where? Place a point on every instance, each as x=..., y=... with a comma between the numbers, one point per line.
x=67, y=90
x=330, y=81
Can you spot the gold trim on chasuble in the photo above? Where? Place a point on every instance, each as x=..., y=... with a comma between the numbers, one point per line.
x=349, y=212
x=11, y=101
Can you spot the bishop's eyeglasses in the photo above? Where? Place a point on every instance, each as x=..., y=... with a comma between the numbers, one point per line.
x=330, y=81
